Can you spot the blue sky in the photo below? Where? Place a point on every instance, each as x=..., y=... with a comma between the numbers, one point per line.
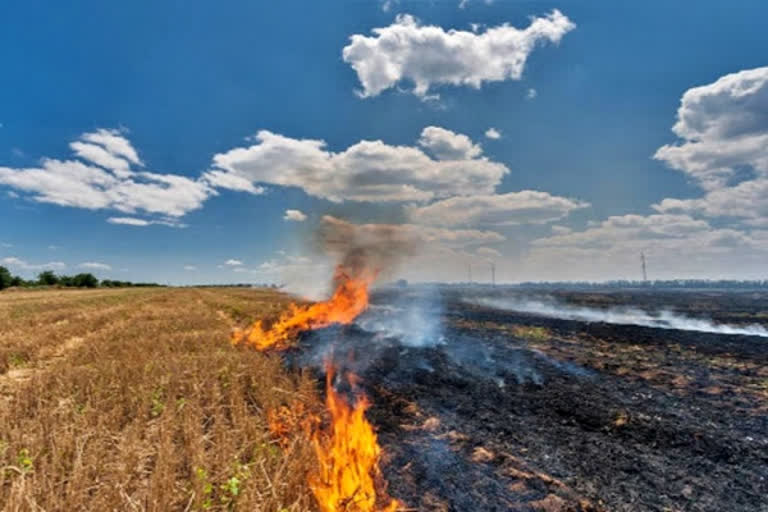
x=182, y=82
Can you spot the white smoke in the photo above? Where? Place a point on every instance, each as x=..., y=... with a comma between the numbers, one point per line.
x=414, y=318
x=663, y=319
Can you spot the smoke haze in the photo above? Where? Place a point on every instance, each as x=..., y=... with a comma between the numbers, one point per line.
x=664, y=319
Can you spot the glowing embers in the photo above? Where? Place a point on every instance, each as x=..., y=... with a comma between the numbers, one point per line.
x=349, y=299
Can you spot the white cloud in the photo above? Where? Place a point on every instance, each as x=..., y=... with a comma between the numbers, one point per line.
x=635, y=229
x=677, y=246
x=366, y=171
x=724, y=129
x=94, y=265
x=228, y=180
x=387, y=5
x=524, y=207
x=429, y=55
x=14, y=262
x=114, y=143
x=748, y=200
x=295, y=215
x=104, y=179
x=101, y=157
x=129, y=221
x=133, y=221
x=464, y=3
x=233, y=263
x=492, y=133
x=447, y=145
x=531, y=93
x=190, y=268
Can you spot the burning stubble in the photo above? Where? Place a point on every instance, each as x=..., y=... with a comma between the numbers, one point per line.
x=348, y=476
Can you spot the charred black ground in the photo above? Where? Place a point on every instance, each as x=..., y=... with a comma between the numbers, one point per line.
x=512, y=411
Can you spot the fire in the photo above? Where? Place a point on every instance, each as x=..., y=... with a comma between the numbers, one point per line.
x=348, y=478
x=349, y=299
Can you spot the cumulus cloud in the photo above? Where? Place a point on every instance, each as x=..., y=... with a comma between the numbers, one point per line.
x=18, y=263
x=366, y=171
x=114, y=143
x=447, y=145
x=677, y=246
x=190, y=268
x=233, y=262
x=94, y=265
x=295, y=216
x=228, y=180
x=748, y=200
x=723, y=127
x=637, y=229
x=104, y=177
x=524, y=207
x=492, y=133
x=428, y=55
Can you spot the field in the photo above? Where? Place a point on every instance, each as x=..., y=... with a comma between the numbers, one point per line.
x=134, y=399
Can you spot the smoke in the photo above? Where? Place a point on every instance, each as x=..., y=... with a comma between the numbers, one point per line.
x=414, y=317
x=406, y=325
x=365, y=250
x=663, y=319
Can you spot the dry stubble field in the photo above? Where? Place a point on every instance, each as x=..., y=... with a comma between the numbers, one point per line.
x=133, y=399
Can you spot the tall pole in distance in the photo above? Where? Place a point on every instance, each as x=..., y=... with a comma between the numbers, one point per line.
x=469, y=269
x=645, y=273
x=493, y=274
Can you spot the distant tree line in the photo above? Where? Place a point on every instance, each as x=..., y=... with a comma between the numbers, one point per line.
x=49, y=278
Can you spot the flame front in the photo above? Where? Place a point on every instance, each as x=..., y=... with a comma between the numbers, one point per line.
x=349, y=478
x=349, y=299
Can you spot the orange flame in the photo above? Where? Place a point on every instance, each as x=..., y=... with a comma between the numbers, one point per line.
x=349, y=478
x=349, y=299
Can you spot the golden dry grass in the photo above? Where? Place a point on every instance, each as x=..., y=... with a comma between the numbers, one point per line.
x=133, y=399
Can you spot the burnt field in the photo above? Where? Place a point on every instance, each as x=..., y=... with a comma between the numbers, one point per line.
x=135, y=399
x=482, y=408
